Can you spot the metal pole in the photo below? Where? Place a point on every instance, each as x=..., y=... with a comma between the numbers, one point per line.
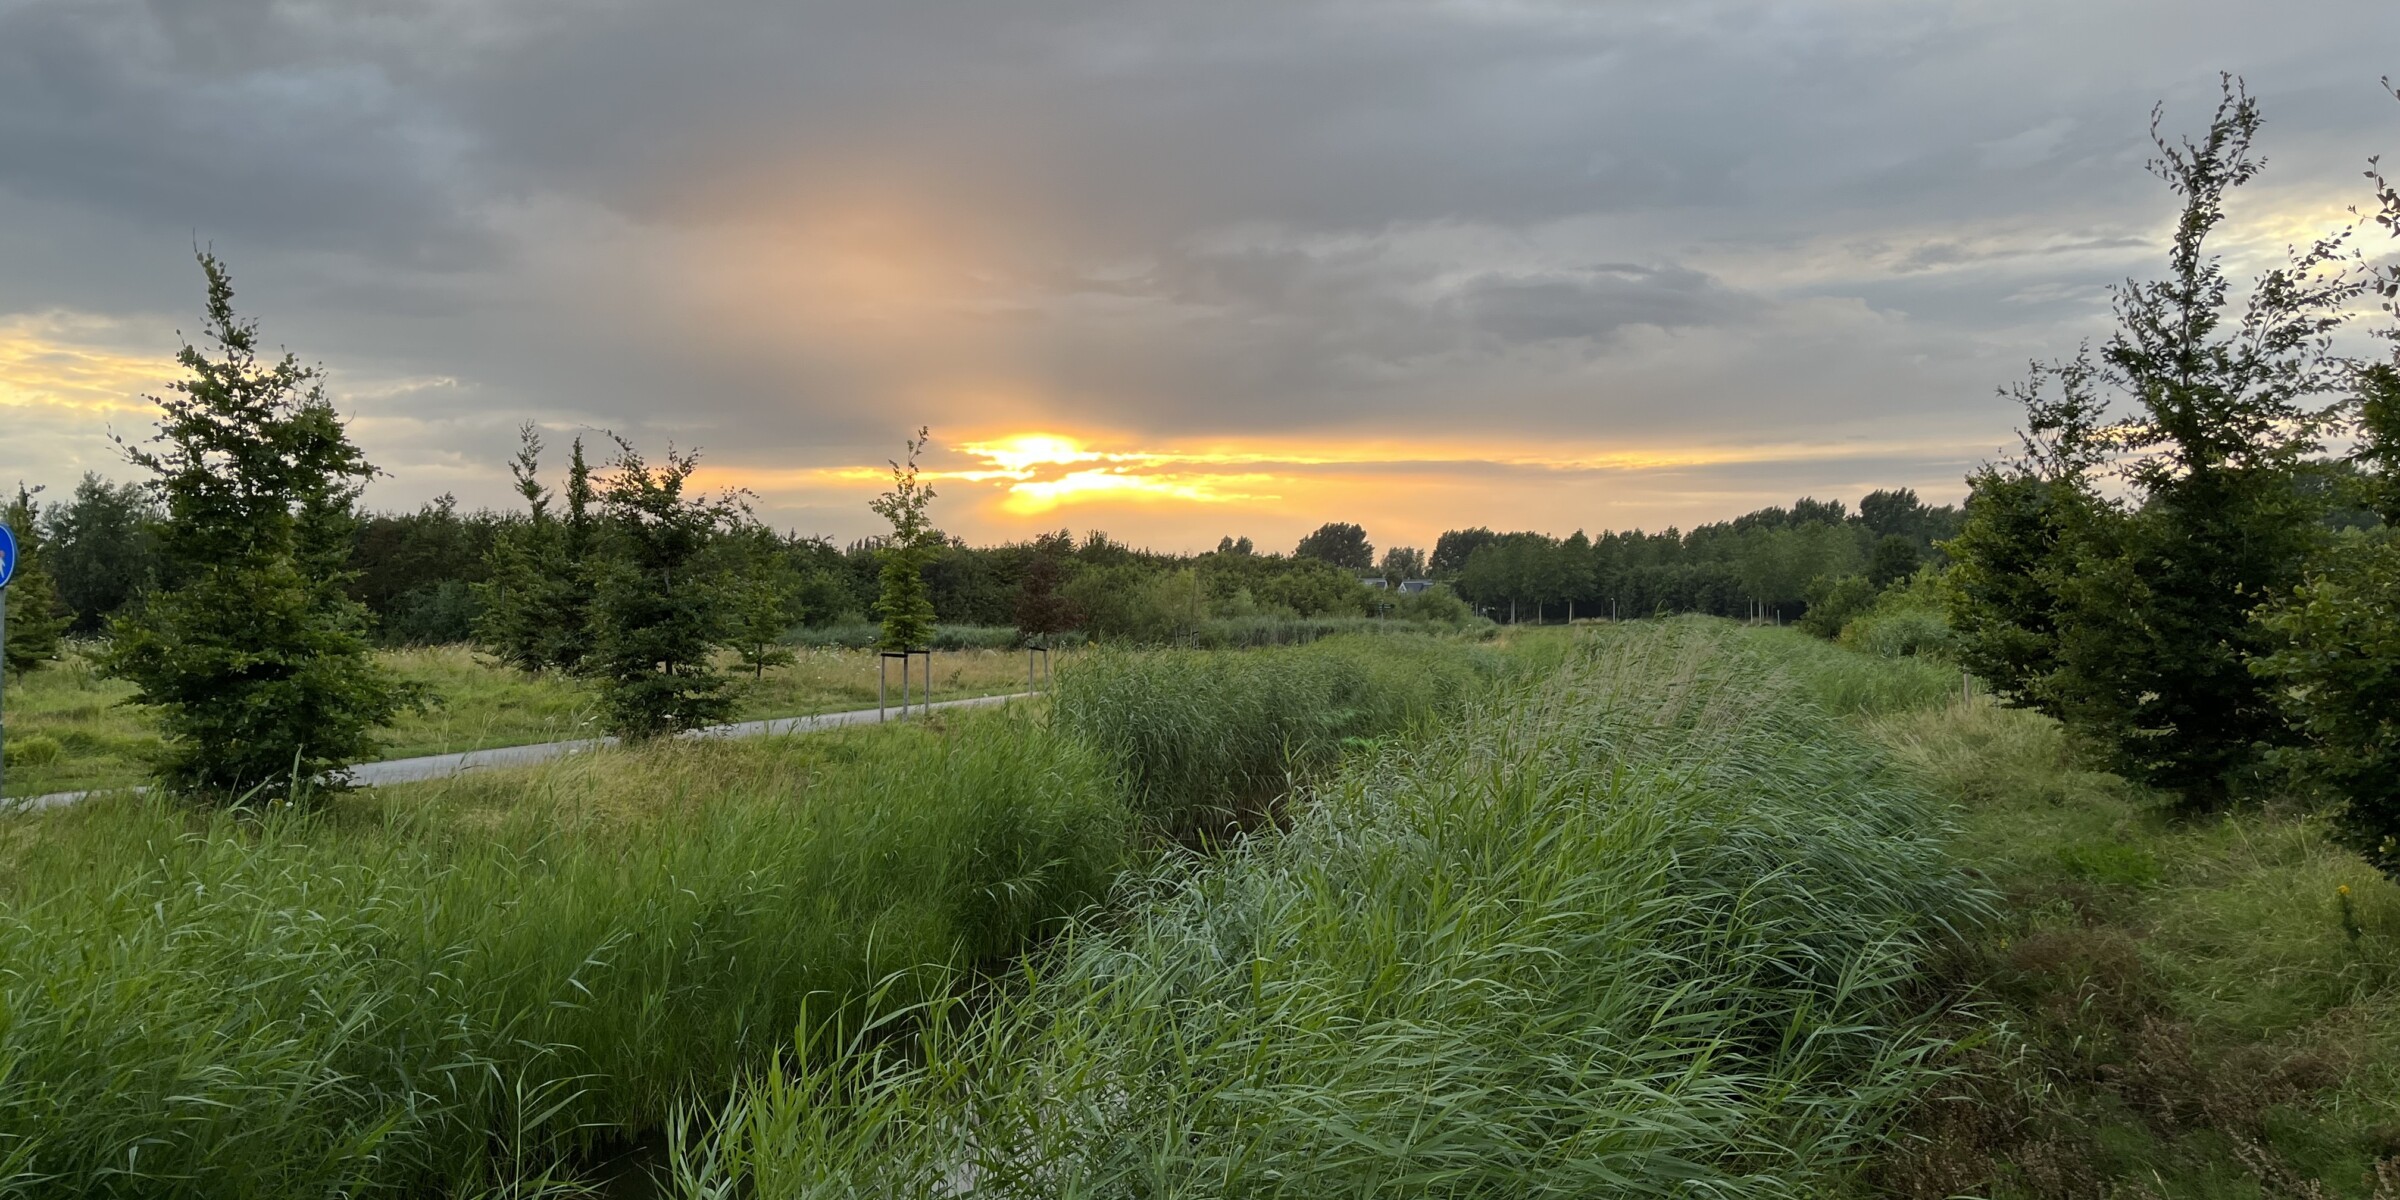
x=883, y=673
x=3, y=689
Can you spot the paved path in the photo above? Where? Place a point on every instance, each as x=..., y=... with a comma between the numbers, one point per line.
x=443, y=766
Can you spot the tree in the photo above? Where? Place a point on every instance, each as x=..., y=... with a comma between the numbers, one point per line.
x=1042, y=612
x=537, y=590
x=35, y=617
x=254, y=657
x=1894, y=560
x=1233, y=545
x=2336, y=640
x=906, y=610
x=2213, y=415
x=102, y=549
x=1893, y=512
x=765, y=605
x=1340, y=545
x=1454, y=547
x=660, y=612
x=1403, y=563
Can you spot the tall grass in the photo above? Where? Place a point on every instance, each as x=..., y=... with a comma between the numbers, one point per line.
x=1648, y=929
x=432, y=990
x=1203, y=738
x=478, y=985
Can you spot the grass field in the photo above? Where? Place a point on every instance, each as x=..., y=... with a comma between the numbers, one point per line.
x=1650, y=927
x=1672, y=908
x=491, y=985
x=70, y=730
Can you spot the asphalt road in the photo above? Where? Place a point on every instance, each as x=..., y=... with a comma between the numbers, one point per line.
x=443, y=766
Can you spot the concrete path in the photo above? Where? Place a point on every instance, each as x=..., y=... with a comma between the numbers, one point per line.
x=443, y=766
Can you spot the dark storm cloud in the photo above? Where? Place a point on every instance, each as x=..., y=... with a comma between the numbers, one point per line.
x=1244, y=218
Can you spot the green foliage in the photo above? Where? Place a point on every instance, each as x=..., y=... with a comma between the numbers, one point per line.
x=906, y=610
x=1895, y=558
x=2001, y=591
x=538, y=593
x=765, y=607
x=2337, y=661
x=458, y=989
x=36, y=619
x=253, y=655
x=2147, y=602
x=1832, y=602
x=662, y=607
x=1338, y=544
x=1402, y=563
x=1041, y=612
x=102, y=548
x=1652, y=928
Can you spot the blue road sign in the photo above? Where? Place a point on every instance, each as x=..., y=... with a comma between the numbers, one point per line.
x=8, y=555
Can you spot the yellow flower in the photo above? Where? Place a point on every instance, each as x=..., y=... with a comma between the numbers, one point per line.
x=2344, y=889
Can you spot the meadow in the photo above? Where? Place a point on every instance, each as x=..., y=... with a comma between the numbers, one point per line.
x=493, y=984
x=1671, y=908
x=70, y=730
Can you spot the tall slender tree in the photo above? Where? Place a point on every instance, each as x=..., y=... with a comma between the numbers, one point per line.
x=35, y=617
x=906, y=609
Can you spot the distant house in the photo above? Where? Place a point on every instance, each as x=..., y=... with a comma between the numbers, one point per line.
x=1410, y=587
x=1376, y=583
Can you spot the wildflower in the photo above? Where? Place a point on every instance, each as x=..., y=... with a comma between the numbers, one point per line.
x=2343, y=889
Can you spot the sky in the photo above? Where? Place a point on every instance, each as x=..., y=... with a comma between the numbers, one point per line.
x=1173, y=271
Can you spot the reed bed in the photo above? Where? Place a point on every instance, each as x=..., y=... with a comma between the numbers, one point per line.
x=1654, y=927
x=489, y=985
x=1203, y=739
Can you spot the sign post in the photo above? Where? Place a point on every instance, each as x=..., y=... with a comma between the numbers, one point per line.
x=8, y=568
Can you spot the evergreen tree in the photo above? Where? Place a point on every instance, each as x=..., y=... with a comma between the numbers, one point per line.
x=537, y=593
x=102, y=549
x=36, y=619
x=906, y=610
x=254, y=657
x=660, y=612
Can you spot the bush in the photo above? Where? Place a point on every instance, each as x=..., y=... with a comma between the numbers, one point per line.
x=33, y=750
x=2336, y=661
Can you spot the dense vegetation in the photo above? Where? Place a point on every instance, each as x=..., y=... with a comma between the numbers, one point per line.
x=440, y=988
x=1649, y=927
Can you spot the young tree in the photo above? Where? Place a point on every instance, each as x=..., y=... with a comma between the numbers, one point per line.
x=1042, y=611
x=35, y=618
x=1340, y=545
x=660, y=612
x=2223, y=408
x=254, y=657
x=906, y=610
x=766, y=604
x=101, y=548
x=537, y=592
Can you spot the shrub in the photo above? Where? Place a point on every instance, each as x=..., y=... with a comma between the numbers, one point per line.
x=2336, y=662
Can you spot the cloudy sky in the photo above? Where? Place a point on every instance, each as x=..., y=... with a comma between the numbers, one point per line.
x=1170, y=270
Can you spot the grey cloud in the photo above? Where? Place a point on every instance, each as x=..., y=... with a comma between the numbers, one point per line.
x=1198, y=219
